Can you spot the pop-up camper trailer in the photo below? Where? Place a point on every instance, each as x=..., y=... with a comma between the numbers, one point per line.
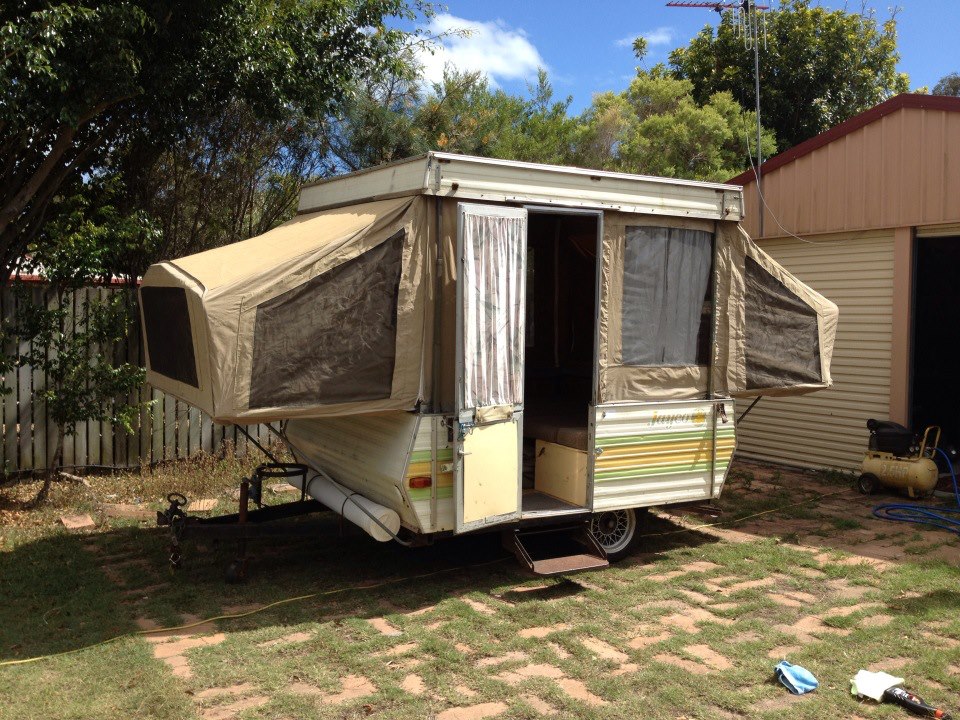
x=453, y=343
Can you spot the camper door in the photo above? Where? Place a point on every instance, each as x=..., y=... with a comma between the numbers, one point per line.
x=491, y=252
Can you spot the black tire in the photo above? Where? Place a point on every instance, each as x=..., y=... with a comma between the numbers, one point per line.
x=617, y=531
x=867, y=483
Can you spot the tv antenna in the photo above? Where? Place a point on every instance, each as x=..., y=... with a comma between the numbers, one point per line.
x=750, y=23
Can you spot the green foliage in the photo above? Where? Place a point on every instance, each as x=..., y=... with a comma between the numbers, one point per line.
x=656, y=127
x=393, y=118
x=228, y=178
x=75, y=351
x=818, y=68
x=948, y=85
x=82, y=81
x=75, y=341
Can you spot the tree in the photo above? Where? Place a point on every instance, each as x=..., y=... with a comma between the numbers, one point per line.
x=393, y=117
x=818, y=67
x=229, y=178
x=948, y=85
x=655, y=127
x=81, y=80
x=77, y=349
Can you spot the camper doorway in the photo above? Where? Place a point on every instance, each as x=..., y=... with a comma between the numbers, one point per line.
x=560, y=359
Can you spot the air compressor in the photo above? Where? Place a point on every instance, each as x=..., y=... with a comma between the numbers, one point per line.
x=897, y=458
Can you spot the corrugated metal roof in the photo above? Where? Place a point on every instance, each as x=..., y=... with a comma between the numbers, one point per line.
x=898, y=102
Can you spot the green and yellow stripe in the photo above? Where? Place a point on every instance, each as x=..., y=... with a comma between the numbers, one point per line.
x=420, y=466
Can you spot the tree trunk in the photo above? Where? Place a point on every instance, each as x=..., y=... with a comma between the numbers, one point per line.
x=52, y=471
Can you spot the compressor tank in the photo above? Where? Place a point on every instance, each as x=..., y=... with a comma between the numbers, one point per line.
x=915, y=475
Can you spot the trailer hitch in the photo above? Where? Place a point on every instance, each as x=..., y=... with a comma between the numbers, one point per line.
x=176, y=519
x=177, y=501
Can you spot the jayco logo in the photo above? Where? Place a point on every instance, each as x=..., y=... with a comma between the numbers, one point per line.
x=697, y=418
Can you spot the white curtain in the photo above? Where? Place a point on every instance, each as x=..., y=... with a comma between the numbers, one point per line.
x=493, y=308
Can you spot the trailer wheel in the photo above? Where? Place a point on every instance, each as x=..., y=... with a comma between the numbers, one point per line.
x=867, y=483
x=616, y=532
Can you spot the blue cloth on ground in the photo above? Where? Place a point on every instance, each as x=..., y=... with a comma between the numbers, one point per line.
x=797, y=680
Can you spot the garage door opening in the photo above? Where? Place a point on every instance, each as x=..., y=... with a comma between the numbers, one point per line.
x=935, y=391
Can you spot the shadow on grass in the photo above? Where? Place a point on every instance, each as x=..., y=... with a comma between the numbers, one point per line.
x=939, y=603
x=66, y=591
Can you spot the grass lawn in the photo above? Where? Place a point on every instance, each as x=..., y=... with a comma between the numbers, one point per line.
x=690, y=627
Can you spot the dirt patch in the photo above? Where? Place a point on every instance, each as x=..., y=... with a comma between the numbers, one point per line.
x=351, y=688
x=667, y=576
x=781, y=702
x=696, y=597
x=890, y=664
x=179, y=666
x=224, y=712
x=479, y=606
x=849, y=609
x=559, y=651
x=743, y=585
x=473, y=712
x=511, y=656
x=692, y=617
x=541, y=706
x=162, y=651
x=683, y=664
x=397, y=650
x=578, y=691
x=465, y=691
x=240, y=689
x=646, y=640
x=805, y=628
x=709, y=657
x=875, y=621
x=296, y=637
x=413, y=684
x=604, y=651
x=384, y=627
x=421, y=611
x=783, y=652
x=542, y=632
x=531, y=671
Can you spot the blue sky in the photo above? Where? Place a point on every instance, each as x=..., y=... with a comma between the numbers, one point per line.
x=585, y=46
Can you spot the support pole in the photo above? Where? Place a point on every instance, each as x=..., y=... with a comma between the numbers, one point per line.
x=756, y=84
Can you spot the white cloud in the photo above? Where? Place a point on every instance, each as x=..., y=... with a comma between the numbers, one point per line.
x=659, y=36
x=491, y=48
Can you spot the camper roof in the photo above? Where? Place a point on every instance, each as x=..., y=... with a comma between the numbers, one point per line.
x=475, y=178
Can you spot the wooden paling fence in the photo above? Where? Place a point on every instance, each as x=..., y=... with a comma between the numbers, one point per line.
x=167, y=429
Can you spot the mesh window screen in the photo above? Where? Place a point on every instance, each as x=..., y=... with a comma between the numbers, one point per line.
x=666, y=274
x=332, y=339
x=781, y=338
x=166, y=322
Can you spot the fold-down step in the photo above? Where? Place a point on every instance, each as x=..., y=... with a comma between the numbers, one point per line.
x=556, y=550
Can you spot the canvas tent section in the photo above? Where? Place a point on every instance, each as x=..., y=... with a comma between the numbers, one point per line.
x=770, y=333
x=322, y=316
x=333, y=313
